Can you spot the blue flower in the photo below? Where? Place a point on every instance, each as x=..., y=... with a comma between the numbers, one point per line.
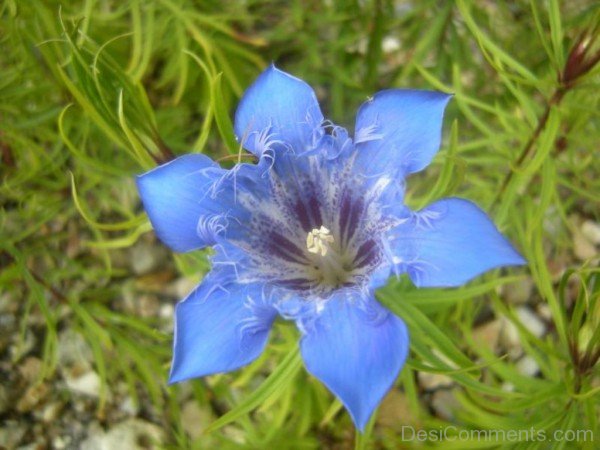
x=309, y=233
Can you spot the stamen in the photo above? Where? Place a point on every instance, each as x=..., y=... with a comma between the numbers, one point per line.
x=318, y=240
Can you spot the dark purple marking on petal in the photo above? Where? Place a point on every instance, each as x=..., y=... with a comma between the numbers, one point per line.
x=344, y=215
x=350, y=216
x=285, y=249
x=296, y=283
x=315, y=210
x=302, y=215
x=367, y=253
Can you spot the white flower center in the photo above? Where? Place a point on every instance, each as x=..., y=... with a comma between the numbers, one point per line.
x=319, y=240
x=330, y=266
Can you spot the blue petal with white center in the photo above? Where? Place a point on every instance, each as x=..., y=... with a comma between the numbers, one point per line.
x=399, y=131
x=449, y=243
x=310, y=231
x=357, y=349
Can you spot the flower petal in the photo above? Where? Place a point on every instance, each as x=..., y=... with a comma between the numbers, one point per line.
x=191, y=201
x=399, y=130
x=219, y=327
x=357, y=348
x=172, y=195
x=448, y=243
x=277, y=108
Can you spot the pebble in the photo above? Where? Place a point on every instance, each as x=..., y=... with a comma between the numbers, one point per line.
x=181, y=287
x=51, y=411
x=30, y=369
x=518, y=292
x=444, y=404
x=22, y=346
x=32, y=397
x=531, y=321
x=509, y=338
x=11, y=434
x=583, y=247
x=194, y=419
x=87, y=383
x=488, y=333
x=60, y=442
x=8, y=304
x=544, y=312
x=166, y=311
x=73, y=349
x=591, y=230
x=138, y=304
x=129, y=406
x=433, y=381
x=528, y=366
x=132, y=434
x=390, y=44
x=395, y=411
x=146, y=257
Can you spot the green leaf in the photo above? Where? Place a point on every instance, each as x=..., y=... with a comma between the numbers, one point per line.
x=273, y=386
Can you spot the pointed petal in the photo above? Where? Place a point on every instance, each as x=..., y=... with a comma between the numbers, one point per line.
x=191, y=201
x=219, y=328
x=448, y=243
x=357, y=349
x=277, y=108
x=171, y=195
x=399, y=130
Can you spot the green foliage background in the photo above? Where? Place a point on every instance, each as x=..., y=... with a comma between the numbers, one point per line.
x=94, y=92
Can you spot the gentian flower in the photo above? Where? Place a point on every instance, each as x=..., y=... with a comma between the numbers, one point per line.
x=309, y=233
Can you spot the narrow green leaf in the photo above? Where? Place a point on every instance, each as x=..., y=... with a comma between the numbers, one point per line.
x=277, y=382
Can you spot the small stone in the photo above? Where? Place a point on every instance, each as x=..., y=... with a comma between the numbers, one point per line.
x=73, y=349
x=88, y=383
x=432, y=381
x=148, y=306
x=557, y=268
x=528, y=366
x=181, y=287
x=32, y=397
x=194, y=419
x=167, y=311
x=146, y=257
x=583, y=247
x=23, y=346
x=444, y=403
x=51, y=411
x=519, y=292
x=136, y=303
x=544, y=312
x=4, y=400
x=531, y=321
x=510, y=339
x=508, y=386
x=591, y=230
x=129, y=406
x=395, y=411
x=11, y=434
x=132, y=434
x=390, y=44
x=8, y=304
x=30, y=369
x=489, y=334
x=60, y=442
